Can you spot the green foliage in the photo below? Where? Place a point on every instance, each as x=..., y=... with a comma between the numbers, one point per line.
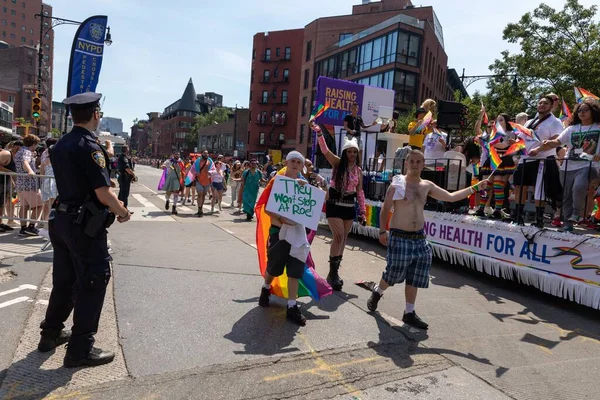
x=559, y=50
x=216, y=116
x=405, y=119
x=55, y=132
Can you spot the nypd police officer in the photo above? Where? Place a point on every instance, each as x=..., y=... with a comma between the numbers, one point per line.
x=126, y=175
x=85, y=207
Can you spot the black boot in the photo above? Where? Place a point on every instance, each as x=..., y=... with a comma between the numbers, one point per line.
x=333, y=277
x=539, y=217
x=174, y=212
x=94, y=358
x=51, y=339
x=520, y=215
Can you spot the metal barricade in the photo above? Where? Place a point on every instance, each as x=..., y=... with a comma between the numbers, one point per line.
x=27, y=199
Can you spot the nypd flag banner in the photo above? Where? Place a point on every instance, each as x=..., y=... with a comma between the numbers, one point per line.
x=86, y=55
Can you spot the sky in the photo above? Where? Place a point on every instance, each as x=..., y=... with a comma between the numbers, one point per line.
x=158, y=45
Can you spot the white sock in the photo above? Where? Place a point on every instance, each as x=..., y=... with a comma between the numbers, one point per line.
x=291, y=303
x=410, y=307
x=175, y=198
x=378, y=289
x=168, y=197
x=267, y=286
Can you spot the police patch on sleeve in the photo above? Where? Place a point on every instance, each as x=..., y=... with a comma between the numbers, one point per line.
x=99, y=159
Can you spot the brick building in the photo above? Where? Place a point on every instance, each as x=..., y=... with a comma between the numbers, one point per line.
x=225, y=138
x=389, y=44
x=19, y=27
x=274, y=91
x=18, y=67
x=58, y=118
x=177, y=122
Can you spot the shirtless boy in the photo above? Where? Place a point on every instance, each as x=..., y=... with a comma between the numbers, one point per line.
x=408, y=253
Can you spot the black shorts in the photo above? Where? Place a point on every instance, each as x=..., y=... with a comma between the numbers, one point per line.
x=278, y=258
x=526, y=173
x=342, y=207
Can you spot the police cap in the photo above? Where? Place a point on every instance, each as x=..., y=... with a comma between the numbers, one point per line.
x=83, y=100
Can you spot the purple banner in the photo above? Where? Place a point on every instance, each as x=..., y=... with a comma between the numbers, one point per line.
x=340, y=95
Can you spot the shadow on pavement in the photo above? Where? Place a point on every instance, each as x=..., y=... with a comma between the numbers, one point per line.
x=47, y=380
x=264, y=331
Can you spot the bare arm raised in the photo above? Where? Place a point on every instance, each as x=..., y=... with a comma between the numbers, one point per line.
x=443, y=195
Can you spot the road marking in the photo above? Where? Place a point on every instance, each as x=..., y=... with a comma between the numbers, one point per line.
x=228, y=231
x=184, y=208
x=253, y=245
x=18, y=289
x=14, y=301
x=148, y=188
x=143, y=200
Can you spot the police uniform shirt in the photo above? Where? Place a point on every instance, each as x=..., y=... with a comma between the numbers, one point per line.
x=123, y=164
x=80, y=166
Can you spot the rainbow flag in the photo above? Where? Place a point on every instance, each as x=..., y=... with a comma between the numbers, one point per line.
x=425, y=122
x=497, y=134
x=191, y=175
x=585, y=93
x=311, y=283
x=495, y=159
x=517, y=148
x=485, y=153
x=564, y=111
x=525, y=131
x=320, y=110
x=578, y=95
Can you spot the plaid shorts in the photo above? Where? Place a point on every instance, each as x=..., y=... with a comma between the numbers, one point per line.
x=407, y=260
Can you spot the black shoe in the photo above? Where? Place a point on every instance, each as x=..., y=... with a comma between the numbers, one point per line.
x=32, y=231
x=265, y=295
x=373, y=301
x=167, y=203
x=50, y=342
x=496, y=215
x=294, y=315
x=6, y=228
x=480, y=212
x=95, y=358
x=23, y=231
x=539, y=224
x=413, y=319
x=333, y=278
x=200, y=213
x=174, y=212
x=248, y=217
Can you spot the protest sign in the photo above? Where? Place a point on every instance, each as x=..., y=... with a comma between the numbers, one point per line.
x=301, y=204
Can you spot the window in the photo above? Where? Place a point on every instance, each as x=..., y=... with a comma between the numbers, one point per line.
x=266, y=75
x=3, y=22
x=302, y=127
x=13, y=25
x=47, y=36
x=31, y=31
x=274, y=93
x=304, y=104
x=4, y=9
x=23, y=4
x=366, y=52
x=30, y=61
x=23, y=39
x=345, y=38
x=306, y=78
x=284, y=97
x=288, y=53
x=3, y=33
x=408, y=49
x=286, y=75
x=13, y=12
x=308, y=50
x=378, y=52
x=11, y=98
x=268, y=55
x=23, y=16
x=265, y=96
x=261, y=138
x=405, y=86
x=282, y=137
x=277, y=52
x=275, y=72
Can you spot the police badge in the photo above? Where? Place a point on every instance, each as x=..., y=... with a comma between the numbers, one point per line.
x=99, y=159
x=97, y=31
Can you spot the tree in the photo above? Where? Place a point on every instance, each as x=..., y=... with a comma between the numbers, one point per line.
x=216, y=116
x=559, y=50
x=55, y=132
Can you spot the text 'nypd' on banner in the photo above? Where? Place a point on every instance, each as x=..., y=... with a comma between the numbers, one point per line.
x=86, y=55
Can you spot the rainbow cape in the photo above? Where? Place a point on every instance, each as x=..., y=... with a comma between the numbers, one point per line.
x=163, y=178
x=191, y=176
x=320, y=110
x=311, y=283
x=425, y=122
x=516, y=149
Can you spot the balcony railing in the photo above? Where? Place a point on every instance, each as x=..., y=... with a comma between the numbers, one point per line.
x=278, y=119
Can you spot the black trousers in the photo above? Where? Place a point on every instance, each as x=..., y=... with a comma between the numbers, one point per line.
x=124, y=188
x=80, y=274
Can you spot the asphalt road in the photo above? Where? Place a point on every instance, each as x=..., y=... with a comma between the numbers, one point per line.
x=186, y=292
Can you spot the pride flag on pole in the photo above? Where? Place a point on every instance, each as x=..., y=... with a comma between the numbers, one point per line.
x=320, y=110
x=585, y=93
x=565, y=113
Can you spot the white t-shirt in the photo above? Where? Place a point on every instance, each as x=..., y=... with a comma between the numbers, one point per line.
x=433, y=148
x=581, y=141
x=216, y=175
x=551, y=126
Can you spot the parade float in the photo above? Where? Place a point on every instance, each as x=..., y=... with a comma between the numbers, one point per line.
x=558, y=263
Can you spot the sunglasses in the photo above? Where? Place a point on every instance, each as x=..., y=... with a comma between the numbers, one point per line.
x=582, y=110
x=100, y=113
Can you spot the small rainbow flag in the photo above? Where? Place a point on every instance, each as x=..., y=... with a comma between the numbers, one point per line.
x=517, y=148
x=320, y=110
x=585, y=93
x=578, y=95
x=564, y=111
x=497, y=134
x=525, y=131
x=495, y=159
x=425, y=122
x=311, y=283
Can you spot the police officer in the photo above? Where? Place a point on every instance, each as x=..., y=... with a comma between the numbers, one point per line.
x=85, y=207
x=126, y=175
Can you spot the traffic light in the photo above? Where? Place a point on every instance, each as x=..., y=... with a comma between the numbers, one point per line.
x=36, y=106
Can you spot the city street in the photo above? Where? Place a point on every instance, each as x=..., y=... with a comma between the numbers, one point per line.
x=182, y=315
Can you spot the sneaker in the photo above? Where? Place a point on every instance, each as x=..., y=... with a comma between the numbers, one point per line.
x=7, y=228
x=413, y=319
x=567, y=227
x=556, y=222
x=539, y=224
x=174, y=211
x=265, y=295
x=373, y=301
x=200, y=213
x=167, y=203
x=294, y=315
x=496, y=215
x=22, y=231
x=479, y=213
x=32, y=231
x=575, y=219
x=248, y=217
x=488, y=211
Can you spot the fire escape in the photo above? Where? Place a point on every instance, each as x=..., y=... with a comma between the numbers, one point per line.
x=274, y=82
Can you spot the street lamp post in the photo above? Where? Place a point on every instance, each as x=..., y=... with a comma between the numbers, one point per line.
x=474, y=78
x=54, y=21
